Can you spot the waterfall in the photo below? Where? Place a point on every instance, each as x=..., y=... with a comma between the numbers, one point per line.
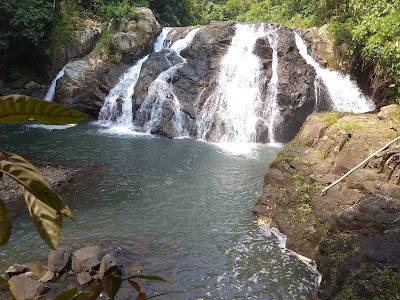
x=345, y=94
x=161, y=97
x=52, y=89
x=228, y=114
x=273, y=109
x=117, y=107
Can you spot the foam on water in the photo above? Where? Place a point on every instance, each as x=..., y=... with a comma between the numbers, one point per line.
x=52, y=127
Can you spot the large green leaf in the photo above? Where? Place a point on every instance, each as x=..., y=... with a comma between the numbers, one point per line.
x=67, y=295
x=25, y=109
x=47, y=220
x=5, y=225
x=4, y=282
x=33, y=181
x=90, y=294
x=112, y=284
x=18, y=160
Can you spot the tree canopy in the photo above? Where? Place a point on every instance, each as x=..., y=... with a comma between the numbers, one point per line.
x=30, y=29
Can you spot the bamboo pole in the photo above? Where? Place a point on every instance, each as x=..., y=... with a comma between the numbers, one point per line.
x=358, y=166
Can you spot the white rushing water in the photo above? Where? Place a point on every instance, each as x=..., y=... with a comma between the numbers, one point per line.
x=117, y=107
x=52, y=89
x=273, y=109
x=161, y=95
x=345, y=94
x=228, y=115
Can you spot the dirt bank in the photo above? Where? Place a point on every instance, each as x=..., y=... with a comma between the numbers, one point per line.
x=353, y=231
x=57, y=176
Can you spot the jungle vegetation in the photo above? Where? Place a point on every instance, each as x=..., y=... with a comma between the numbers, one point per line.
x=364, y=29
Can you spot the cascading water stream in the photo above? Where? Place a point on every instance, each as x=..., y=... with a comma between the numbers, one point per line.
x=228, y=115
x=161, y=95
x=117, y=107
x=345, y=94
x=273, y=110
x=52, y=89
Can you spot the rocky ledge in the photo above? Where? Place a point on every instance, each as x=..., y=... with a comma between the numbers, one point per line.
x=352, y=231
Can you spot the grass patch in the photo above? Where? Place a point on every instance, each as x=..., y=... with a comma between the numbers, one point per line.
x=330, y=118
x=350, y=126
x=323, y=152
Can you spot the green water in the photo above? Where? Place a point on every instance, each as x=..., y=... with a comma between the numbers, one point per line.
x=180, y=209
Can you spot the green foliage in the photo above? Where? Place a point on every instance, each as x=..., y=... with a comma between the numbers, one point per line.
x=31, y=21
x=330, y=118
x=174, y=12
x=24, y=109
x=323, y=152
x=4, y=282
x=349, y=126
x=117, y=11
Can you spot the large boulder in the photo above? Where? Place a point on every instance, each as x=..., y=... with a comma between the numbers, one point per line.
x=23, y=287
x=59, y=260
x=109, y=265
x=87, y=259
x=82, y=43
x=137, y=36
x=88, y=79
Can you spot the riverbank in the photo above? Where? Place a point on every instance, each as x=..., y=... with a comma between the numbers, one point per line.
x=353, y=231
x=57, y=176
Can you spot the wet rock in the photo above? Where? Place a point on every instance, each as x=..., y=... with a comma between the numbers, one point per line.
x=84, y=278
x=49, y=276
x=109, y=264
x=59, y=260
x=86, y=259
x=23, y=287
x=17, y=269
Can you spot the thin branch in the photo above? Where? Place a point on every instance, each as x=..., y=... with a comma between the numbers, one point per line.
x=358, y=166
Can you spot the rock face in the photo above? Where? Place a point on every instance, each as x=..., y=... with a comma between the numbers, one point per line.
x=136, y=37
x=193, y=82
x=352, y=230
x=88, y=79
x=82, y=44
x=173, y=91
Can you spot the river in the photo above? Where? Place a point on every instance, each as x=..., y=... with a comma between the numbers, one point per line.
x=180, y=209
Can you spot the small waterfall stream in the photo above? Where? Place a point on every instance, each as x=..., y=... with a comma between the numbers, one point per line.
x=273, y=109
x=117, y=107
x=52, y=89
x=161, y=95
x=345, y=94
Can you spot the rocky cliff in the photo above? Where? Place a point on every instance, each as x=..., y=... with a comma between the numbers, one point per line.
x=352, y=231
x=88, y=80
x=89, y=77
